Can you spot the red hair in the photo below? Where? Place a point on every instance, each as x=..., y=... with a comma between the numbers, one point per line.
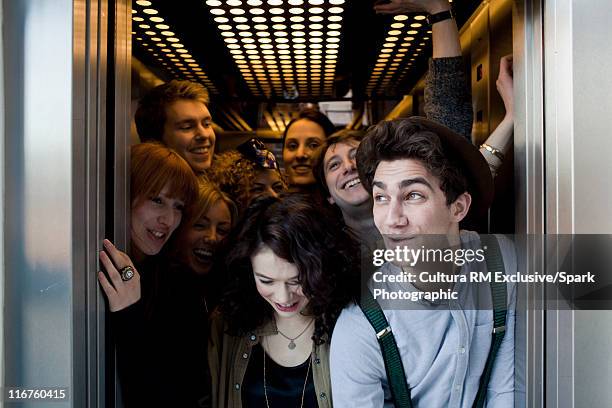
x=153, y=166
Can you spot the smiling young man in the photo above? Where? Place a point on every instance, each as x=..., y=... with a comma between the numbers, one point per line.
x=176, y=114
x=424, y=180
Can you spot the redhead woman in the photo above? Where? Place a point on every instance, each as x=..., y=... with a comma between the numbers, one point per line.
x=152, y=318
x=291, y=273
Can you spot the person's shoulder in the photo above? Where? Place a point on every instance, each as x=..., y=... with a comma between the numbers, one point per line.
x=351, y=324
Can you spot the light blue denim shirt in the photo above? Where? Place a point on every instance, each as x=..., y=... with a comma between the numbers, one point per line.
x=443, y=346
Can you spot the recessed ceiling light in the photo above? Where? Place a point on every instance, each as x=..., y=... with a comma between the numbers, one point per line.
x=276, y=10
x=400, y=17
x=335, y=18
x=240, y=19
x=259, y=19
x=333, y=33
x=245, y=34
x=156, y=19
x=419, y=17
x=298, y=33
x=333, y=40
x=296, y=19
x=412, y=32
x=391, y=39
x=243, y=27
x=227, y=34
x=238, y=11
x=336, y=10
x=150, y=11
x=257, y=11
x=263, y=34
x=234, y=3
x=278, y=19
x=264, y=40
x=137, y=18
x=297, y=10
x=416, y=25
x=230, y=40
x=217, y=12
x=261, y=27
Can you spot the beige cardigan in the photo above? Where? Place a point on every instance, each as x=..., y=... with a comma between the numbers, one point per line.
x=228, y=358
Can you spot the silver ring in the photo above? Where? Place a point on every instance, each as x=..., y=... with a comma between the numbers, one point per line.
x=127, y=273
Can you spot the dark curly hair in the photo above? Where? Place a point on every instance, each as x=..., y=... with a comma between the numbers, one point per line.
x=298, y=230
x=404, y=139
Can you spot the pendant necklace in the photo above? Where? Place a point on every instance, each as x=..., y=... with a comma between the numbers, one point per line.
x=305, y=379
x=291, y=344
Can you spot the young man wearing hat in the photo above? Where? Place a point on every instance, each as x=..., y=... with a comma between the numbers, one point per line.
x=447, y=101
x=425, y=179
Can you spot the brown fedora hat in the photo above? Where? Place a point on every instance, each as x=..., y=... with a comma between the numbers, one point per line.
x=475, y=167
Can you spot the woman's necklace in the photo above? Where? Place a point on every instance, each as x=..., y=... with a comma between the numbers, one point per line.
x=291, y=344
x=305, y=379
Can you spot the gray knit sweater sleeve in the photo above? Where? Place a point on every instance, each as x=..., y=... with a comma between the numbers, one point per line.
x=447, y=99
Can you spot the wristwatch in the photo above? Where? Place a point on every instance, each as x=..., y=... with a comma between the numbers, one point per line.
x=441, y=16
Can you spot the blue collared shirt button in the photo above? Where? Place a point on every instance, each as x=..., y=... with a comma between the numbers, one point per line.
x=253, y=337
x=317, y=361
x=322, y=395
x=245, y=355
x=237, y=386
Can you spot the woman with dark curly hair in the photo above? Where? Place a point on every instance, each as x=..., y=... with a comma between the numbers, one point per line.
x=291, y=274
x=249, y=172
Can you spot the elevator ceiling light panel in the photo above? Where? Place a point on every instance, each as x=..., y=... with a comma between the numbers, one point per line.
x=283, y=49
x=406, y=39
x=160, y=41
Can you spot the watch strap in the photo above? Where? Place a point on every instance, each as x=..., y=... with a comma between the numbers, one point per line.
x=441, y=16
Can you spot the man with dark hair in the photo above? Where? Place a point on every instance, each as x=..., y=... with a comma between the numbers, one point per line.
x=176, y=114
x=424, y=180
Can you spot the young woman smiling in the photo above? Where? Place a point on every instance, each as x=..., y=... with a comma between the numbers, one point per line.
x=291, y=273
x=156, y=321
x=302, y=142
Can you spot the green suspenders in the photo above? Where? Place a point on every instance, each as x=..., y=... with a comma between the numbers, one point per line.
x=400, y=390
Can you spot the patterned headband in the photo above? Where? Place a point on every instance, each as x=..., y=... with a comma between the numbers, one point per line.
x=256, y=151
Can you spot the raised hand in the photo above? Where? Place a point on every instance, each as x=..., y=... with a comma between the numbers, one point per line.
x=411, y=6
x=120, y=293
x=505, y=83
